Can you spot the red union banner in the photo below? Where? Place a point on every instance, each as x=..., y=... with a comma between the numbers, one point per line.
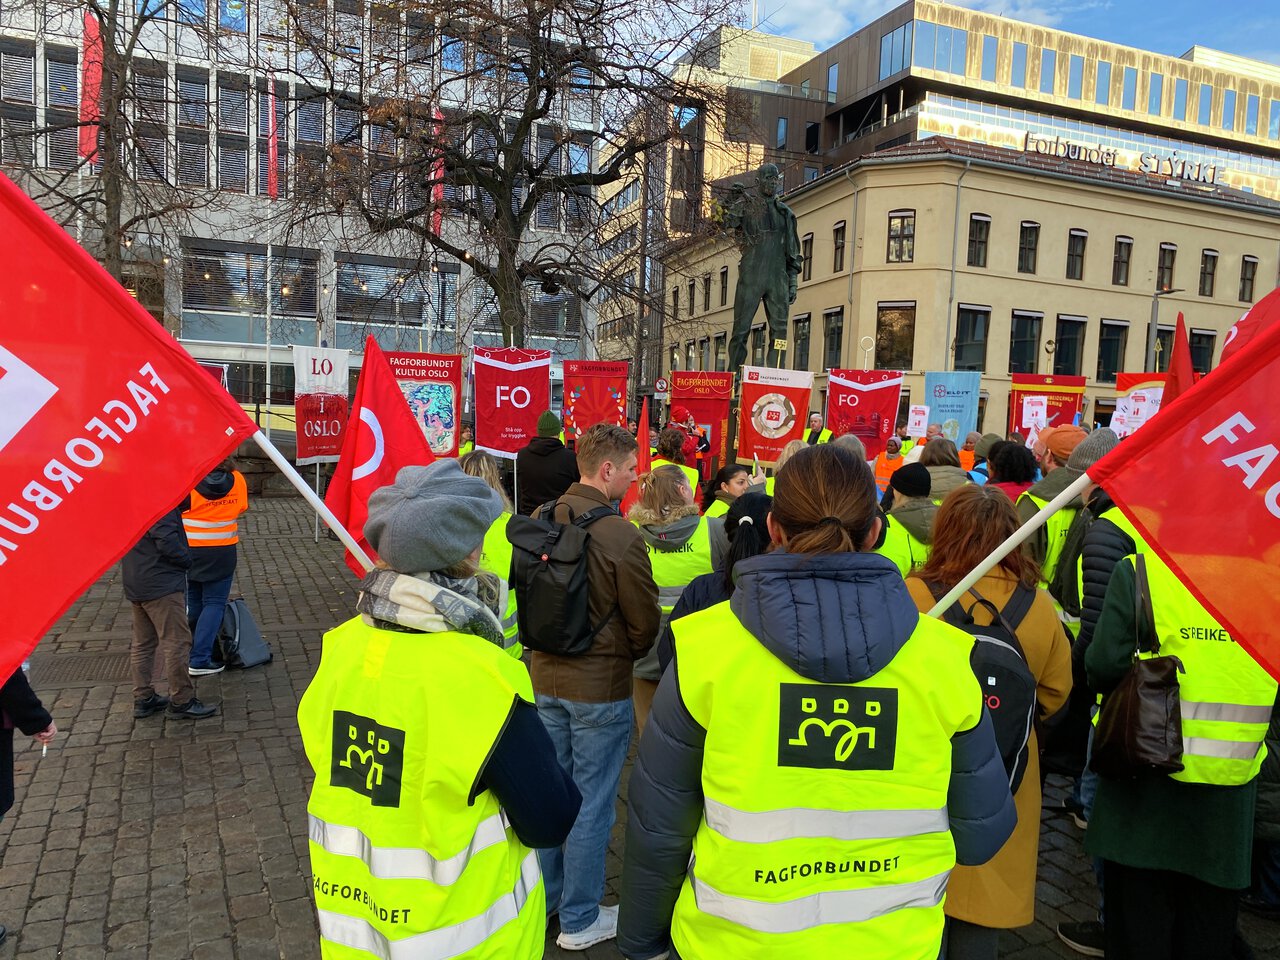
x=432, y=386
x=709, y=398
x=1218, y=525
x=773, y=410
x=105, y=422
x=1063, y=398
x=513, y=389
x=864, y=403
x=320, y=403
x=595, y=391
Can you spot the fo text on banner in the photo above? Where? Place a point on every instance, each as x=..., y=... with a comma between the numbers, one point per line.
x=320, y=402
x=432, y=386
x=1218, y=525
x=595, y=391
x=513, y=389
x=953, y=401
x=864, y=403
x=105, y=422
x=773, y=410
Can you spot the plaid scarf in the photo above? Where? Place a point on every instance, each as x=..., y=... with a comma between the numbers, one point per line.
x=431, y=603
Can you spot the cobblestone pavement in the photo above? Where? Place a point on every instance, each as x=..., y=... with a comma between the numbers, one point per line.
x=167, y=840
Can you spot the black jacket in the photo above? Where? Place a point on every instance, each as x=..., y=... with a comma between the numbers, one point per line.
x=157, y=565
x=545, y=469
x=1105, y=545
x=22, y=709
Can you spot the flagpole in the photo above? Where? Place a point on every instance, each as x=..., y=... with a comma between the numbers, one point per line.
x=312, y=498
x=1014, y=541
x=268, y=340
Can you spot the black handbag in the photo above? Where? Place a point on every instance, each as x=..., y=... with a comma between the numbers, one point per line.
x=1139, y=731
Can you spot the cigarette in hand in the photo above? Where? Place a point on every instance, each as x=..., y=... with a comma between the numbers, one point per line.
x=44, y=750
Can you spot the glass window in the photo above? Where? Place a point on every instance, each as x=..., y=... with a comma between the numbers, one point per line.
x=810, y=173
x=1102, y=84
x=61, y=80
x=675, y=356
x=722, y=352
x=806, y=257
x=1228, y=109
x=690, y=356
x=757, y=346
x=1112, y=340
x=1204, y=115
x=1251, y=115
x=1028, y=244
x=902, y=236
x=1155, y=93
x=233, y=110
x=886, y=56
x=724, y=286
x=895, y=336
x=1179, y=99
x=1129, y=90
x=1120, y=261
x=833, y=335
x=942, y=52
x=1024, y=342
x=675, y=305
x=1018, y=66
x=833, y=77
x=972, y=324
x=1164, y=266
x=1075, y=77
x=692, y=290
x=193, y=102
x=837, y=247
x=1068, y=348
x=780, y=140
x=990, y=56
x=452, y=54
x=979, y=231
x=1076, y=241
x=1048, y=70
x=926, y=39
x=1273, y=120
x=1248, y=270
x=1208, y=268
x=1201, y=343
x=704, y=353
x=800, y=343
x=706, y=295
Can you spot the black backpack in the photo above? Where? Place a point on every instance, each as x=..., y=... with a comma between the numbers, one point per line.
x=549, y=576
x=1008, y=685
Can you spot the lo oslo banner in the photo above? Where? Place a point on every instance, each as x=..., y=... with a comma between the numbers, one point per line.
x=320, y=402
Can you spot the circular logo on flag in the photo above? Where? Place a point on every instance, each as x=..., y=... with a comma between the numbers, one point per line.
x=773, y=415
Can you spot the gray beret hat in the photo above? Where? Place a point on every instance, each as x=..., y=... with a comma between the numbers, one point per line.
x=431, y=517
x=1092, y=449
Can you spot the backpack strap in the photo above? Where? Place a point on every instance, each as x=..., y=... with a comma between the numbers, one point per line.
x=954, y=614
x=1018, y=607
x=591, y=516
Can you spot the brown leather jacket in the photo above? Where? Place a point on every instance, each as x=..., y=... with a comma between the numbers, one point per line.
x=619, y=574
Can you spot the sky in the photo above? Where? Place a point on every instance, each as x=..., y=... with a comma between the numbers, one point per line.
x=1250, y=29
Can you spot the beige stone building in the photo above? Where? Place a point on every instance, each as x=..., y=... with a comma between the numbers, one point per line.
x=944, y=254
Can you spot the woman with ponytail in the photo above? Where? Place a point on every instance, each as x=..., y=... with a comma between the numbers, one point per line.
x=817, y=759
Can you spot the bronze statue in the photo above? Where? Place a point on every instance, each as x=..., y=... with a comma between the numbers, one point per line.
x=765, y=229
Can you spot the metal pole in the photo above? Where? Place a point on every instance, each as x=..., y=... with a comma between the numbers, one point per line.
x=1150, y=364
x=317, y=517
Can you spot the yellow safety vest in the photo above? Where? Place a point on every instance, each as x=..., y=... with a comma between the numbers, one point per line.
x=673, y=569
x=407, y=861
x=689, y=472
x=824, y=830
x=902, y=547
x=214, y=523
x=768, y=484
x=824, y=436
x=466, y=447
x=495, y=557
x=1055, y=533
x=1225, y=697
x=718, y=508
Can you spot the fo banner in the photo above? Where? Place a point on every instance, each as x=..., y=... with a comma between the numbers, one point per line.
x=320, y=402
x=1063, y=399
x=432, y=386
x=864, y=403
x=953, y=402
x=708, y=397
x=1138, y=397
x=595, y=391
x=513, y=388
x=774, y=408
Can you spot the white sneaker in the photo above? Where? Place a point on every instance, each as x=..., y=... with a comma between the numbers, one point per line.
x=604, y=928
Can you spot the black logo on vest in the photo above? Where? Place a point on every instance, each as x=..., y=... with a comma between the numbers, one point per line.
x=837, y=728
x=367, y=758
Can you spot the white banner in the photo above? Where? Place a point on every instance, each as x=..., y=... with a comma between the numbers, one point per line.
x=320, y=370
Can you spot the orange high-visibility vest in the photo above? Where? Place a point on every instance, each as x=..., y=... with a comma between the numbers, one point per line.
x=886, y=468
x=212, y=523
x=966, y=459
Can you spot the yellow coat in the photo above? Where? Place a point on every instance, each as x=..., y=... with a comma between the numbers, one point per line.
x=1002, y=892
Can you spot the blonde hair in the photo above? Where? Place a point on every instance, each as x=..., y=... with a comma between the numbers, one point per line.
x=484, y=465
x=789, y=451
x=660, y=497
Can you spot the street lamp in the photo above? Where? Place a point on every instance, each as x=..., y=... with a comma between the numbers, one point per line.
x=1156, y=294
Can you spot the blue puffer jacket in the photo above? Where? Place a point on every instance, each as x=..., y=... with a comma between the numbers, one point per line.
x=838, y=618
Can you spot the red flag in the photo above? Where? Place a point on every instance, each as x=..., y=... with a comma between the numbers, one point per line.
x=512, y=389
x=642, y=459
x=436, y=172
x=1181, y=373
x=90, y=87
x=595, y=391
x=864, y=403
x=273, y=141
x=381, y=437
x=1201, y=482
x=105, y=422
x=773, y=411
x=1249, y=325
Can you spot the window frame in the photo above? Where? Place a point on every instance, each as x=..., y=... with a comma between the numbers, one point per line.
x=890, y=352
x=806, y=257
x=1037, y=317
x=1120, y=265
x=832, y=323
x=904, y=239
x=1248, y=277
x=1208, y=272
x=1077, y=244
x=1105, y=325
x=1028, y=252
x=979, y=239
x=837, y=246
x=1080, y=324
x=1165, y=271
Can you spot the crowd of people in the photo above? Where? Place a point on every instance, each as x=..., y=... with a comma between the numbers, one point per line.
x=818, y=768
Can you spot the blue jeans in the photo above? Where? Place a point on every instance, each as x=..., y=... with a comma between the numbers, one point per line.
x=205, y=605
x=591, y=741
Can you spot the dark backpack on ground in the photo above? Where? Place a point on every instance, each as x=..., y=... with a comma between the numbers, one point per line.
x=549, y=576
x=239, y=643
x=1008, y=685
